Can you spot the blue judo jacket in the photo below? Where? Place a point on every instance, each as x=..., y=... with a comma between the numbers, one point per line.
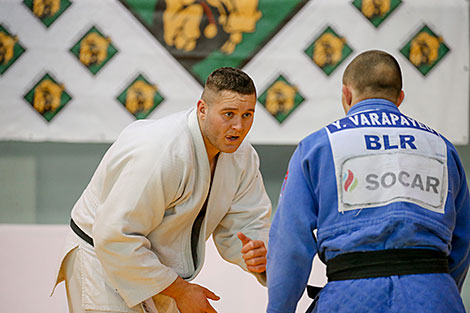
x=373, y=180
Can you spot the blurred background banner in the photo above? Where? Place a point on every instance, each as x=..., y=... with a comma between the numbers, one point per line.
x=81, y=70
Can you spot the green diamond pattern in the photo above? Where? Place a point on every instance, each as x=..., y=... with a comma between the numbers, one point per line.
x=10, y=49
x=425, y=50
x=140, y=98
x=48, y=97
x=94, y=50
x=376, y=11
x=328, y=50
x=281, y=98
x=47, y=11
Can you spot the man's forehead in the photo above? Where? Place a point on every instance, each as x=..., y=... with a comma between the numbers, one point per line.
x=217, y=95
x=231, y=100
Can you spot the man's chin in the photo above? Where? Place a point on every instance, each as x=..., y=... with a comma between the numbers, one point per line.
x=230, y=148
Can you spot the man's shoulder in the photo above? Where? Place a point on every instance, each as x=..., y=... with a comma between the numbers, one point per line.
x=167, y=124
x=316, y=138
x=153, y=137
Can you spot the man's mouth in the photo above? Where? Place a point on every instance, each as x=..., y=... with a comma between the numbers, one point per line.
x=232, y=138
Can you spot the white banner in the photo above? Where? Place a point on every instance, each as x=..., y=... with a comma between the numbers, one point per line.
x=81, y=70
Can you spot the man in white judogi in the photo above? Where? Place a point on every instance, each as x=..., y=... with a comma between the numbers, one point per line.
x=139, y=228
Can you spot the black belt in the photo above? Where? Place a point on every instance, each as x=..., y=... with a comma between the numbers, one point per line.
x=80, y=233
x=383, y=263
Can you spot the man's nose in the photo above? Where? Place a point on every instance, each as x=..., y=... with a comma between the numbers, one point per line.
x=237, y=123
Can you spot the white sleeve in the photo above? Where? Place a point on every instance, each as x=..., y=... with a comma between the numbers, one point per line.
x=133, y=202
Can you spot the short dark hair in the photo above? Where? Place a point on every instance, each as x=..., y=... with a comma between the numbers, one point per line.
x=374, y=73
x=231, y=79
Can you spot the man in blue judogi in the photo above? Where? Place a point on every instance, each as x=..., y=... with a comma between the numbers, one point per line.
x=388, y=198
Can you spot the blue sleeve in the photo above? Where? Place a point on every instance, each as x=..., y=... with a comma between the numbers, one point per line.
x=292, y=244
x=460, y=249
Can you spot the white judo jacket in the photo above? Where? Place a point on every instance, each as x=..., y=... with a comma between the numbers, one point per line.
x=142, y=201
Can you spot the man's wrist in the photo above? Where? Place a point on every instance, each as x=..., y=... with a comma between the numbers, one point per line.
x=176, y=288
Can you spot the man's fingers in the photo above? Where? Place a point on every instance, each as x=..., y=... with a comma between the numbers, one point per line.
x=257, y=268
x=253, y=253
x=209, y=294
x=244, y=239
x=253, y=245
x=256, y=261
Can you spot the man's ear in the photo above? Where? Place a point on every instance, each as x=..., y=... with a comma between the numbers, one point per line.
x=201, y=109
x=347, y=95
x=401, y=96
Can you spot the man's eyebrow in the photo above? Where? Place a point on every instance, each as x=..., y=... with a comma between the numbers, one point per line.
x=235, y=109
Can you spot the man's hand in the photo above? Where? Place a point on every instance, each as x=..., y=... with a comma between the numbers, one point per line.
x=190, y=298
x=254, y=253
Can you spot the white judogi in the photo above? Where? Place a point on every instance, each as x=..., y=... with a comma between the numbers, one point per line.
x=141, y=203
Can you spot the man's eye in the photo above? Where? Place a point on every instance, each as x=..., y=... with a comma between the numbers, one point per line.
x=247, y=115
x=228, y=114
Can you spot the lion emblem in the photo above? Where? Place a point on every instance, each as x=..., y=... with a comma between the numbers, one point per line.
x=140, y=97
x=182, y=20
x=373, y=8
x=47, y=96
x=94, y=49
x=424, y=49
x=328, y=50
x=7, y=46
x=280, y=98
x=45, y=8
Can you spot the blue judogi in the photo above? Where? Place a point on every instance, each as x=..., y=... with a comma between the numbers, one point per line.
x=373, y=180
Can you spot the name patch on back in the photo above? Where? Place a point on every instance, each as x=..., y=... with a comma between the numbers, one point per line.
x=377, y=119
x=379, y=179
